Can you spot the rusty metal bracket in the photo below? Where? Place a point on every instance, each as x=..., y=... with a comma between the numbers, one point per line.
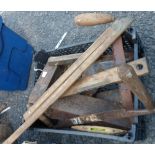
x=104, y=116
x=130, y=78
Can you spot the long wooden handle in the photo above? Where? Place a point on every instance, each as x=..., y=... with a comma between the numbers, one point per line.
x=91, y=19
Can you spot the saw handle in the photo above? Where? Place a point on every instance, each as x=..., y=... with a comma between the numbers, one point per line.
x=91, y=19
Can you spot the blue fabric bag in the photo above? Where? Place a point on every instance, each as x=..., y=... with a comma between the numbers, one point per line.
x=15, y=59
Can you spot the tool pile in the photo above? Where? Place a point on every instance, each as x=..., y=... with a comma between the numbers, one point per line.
x=70, y=92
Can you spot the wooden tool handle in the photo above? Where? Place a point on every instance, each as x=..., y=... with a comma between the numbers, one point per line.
x=91, y=19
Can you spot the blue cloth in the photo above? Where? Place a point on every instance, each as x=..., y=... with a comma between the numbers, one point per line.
x=15, y=60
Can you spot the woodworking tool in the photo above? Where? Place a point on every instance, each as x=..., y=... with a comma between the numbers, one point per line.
x=91, y=19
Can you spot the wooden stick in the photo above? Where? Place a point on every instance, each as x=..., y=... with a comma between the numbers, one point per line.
x=72, y=74
x=42, y=83
x=64, y=59
x=104, y=78
x=68, y=59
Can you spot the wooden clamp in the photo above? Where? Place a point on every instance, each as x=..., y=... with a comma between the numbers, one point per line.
x=69, y=59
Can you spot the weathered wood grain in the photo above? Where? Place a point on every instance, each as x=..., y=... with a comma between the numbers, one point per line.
x=104, y=78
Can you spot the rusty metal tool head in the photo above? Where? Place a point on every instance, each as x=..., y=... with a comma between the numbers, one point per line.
x=103, y=116
x=130, y=78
